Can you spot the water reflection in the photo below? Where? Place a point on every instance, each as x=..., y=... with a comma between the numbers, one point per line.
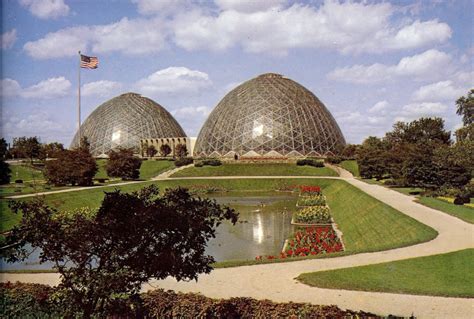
x=263, y=227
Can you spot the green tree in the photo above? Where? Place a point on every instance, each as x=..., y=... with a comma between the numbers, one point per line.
x=165, y=150
x=122, y=163
x=75, y=167
x=465, y=107
x=3, y=149
x=151, y=151
x=50, y=150
x=181, y=150
x=5, y=172
x=371, y=158
x=26, y=147
x=103, y=255
x=422, y=131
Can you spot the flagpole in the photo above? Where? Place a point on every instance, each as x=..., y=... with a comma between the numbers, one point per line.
x=79, y=100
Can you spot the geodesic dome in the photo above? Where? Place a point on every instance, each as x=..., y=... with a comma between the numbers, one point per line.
x=125, y=120
x=269, y=116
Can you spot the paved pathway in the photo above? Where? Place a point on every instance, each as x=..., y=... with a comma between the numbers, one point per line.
x=276, y=281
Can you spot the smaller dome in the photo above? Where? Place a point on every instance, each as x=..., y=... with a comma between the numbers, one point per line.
x=125, y=120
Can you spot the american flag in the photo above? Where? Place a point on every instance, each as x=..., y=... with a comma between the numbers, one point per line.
x=89, y=62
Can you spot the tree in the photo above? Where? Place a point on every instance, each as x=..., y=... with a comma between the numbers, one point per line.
x=103, y=254
x=5, y=172
x=465, y=107
x=349, y=151
x=3, y=149
x=123, y=164
x=450, y=168
x=151, y=151
x=371, y=158
x=165, y=150
x=181, y=150
x=422, y=131
x=73, y=167
x=51, y=150
x=26, y=147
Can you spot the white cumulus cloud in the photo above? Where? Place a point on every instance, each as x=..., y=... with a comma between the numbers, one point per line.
x=8, y=39
x=192, y=117
x=50, y=88
x=439, y=91
x=101, y=88
x=431, y=63
x=46, y=9
x=9, y=87
x=413, y=111
x=173, y=80
x=378, y=107
x=130, y=36
x=249, y=5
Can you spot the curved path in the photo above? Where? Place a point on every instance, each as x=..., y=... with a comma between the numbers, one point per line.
x=276, y=281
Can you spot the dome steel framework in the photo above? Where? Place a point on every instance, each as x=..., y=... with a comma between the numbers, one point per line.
x=269, y=116
x=125, y=120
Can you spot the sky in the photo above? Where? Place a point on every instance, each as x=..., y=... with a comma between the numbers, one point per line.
x=371, y=63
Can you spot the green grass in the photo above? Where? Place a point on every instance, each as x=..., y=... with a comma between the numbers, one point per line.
x=101, y=173
x=351, y=166
x=463, y=212
x=367, y=224
x=265, y=169
x=407, y=190
x=25, y=173
x=448, y=275
x=151, y=168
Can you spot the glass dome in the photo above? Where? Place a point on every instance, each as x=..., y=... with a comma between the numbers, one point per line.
x=125, y=120
x=269, y=116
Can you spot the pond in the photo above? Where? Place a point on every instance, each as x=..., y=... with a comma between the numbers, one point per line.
x=263, y=227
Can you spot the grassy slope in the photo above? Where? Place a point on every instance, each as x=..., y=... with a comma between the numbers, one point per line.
x=25, y=173
x=266, y=169
x=367, y=224
x=439, y=275
x=153, y=168
x=463, y=212
x=351, y=166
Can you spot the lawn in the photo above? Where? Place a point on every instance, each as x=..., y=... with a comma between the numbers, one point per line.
x=265, y=169
x=367, y=224
x=351, y=166
x=25, y=173
x=448, y=275
x=463, y=212
x=151, y=168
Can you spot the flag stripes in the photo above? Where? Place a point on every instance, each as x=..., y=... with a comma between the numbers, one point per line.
x=89, y=62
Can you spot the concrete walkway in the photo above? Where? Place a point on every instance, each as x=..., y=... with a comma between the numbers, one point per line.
x=276, y=281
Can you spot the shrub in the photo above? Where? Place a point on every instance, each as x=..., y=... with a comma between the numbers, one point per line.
x=183, y=161
x=19, y=181
x=73, y=167
x=5, y=172
x=123, y=164
x=198, y=164
x=334, y=159
x=313, y=200
x=313, y=215
x=310, y=162
x=212, y=162
x=458, y=201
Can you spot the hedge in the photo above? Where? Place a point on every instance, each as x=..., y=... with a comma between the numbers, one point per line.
x=21, y=300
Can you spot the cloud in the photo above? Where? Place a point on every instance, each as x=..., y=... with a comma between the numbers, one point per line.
x=249, y=6
x=46, y=9
x=379, y=107
x=102, y=88
x=50, y=88
x=414, y=111
x=192, y=118
x=129, y=36
x=173, y=80
x=431, y=63
x=8, y=39
x=9, y=87
x=258, y=27
x=164, y=7
x=439, y=91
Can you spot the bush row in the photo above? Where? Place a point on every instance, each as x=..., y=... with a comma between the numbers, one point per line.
x=310, y=162
x=183, y=161
x=39, y=301
x=208, y=162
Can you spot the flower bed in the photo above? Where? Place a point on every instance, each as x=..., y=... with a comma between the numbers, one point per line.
x=309, y=190
x=313, y=215
x=312, y=200
x=309, y=241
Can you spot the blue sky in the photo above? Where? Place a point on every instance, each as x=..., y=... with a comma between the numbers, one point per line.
x=371, y=63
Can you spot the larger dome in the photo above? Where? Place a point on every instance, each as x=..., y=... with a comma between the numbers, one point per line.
x=123, y=121
x=269, y=116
